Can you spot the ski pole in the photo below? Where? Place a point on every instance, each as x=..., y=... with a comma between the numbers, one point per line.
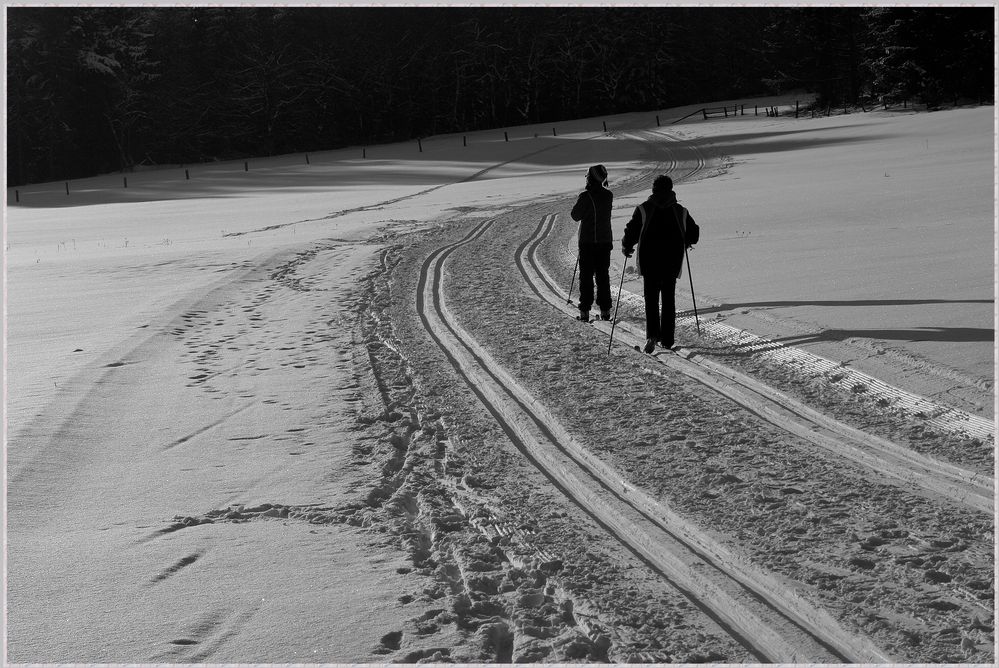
x=568, y=300
x=694, y=301
x=617, y=304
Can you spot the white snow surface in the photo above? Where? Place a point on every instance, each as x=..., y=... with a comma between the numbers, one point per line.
x=166, y=358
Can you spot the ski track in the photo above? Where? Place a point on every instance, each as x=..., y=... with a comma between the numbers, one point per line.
x=775, y=624
x=789, y=629
x=758, y=609
x=905, y=467
x=381, y=205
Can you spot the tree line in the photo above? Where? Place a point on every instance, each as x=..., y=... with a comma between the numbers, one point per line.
x=99, y=89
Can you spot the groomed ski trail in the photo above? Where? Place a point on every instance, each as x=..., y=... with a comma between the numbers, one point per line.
x=903, y=466
x=754, y=607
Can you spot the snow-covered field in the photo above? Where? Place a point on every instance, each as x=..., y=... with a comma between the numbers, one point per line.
x=332, y=408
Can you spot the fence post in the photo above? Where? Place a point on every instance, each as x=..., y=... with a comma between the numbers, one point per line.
x=125, y=181
x=554, y=133
x=364, y=153
x=420, y=144
x=17, y=196
x=796, y=108
x=506, y=137
x=67, y=187
x=464, y=141
x=657, y=121
x=307, y=159
x=705, y=112
x=246, y=166
x=187, y=175
x=605, y=126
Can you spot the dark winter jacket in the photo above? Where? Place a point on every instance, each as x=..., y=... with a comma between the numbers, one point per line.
x=593, y=211
x=656, y=228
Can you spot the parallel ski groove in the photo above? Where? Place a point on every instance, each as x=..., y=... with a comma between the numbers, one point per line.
x=900, y=465
x=752, y=606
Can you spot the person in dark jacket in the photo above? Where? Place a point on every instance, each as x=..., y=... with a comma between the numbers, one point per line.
x=660, y=230
x=593, y=211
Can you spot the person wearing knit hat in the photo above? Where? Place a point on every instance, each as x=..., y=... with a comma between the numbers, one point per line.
x=593, y=212
x=660, y=230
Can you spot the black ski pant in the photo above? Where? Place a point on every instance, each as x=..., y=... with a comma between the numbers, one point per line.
x=660, y=308
x=594, y=266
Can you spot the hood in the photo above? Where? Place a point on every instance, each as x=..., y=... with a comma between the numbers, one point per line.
x=662, y=199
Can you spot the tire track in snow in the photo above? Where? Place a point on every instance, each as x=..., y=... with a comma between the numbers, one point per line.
x=752, y=606
x=901, y=465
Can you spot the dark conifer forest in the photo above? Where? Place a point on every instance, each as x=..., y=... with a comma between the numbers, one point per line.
x=100, y=89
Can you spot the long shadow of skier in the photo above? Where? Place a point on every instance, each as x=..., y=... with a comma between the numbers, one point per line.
x=721, y=308
x=937, y=334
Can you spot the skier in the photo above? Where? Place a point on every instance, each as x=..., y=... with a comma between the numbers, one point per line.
x=593, y=211
x=660, y=230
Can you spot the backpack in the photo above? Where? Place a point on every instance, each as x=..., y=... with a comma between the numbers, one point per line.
x=690, y=236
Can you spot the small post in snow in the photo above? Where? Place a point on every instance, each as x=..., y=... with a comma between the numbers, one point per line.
x=67, y=187
x=307, y=159
x=795, y=108
x=657, y=121
x=420, y=144
x=364, y=153
x=464, y=141
x=605, y=126
x=506, y=137
x=187, y=175
x=124, y=180
x=554, y=133
x=17, y=196
x=246, y=166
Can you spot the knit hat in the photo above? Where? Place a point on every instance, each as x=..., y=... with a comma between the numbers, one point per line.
x=597, y=174
x=662, y=184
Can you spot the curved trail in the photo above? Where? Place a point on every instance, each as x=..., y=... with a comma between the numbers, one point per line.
x=756, y=609
x=395, y=200
x=901, y=465
x=943, y=417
